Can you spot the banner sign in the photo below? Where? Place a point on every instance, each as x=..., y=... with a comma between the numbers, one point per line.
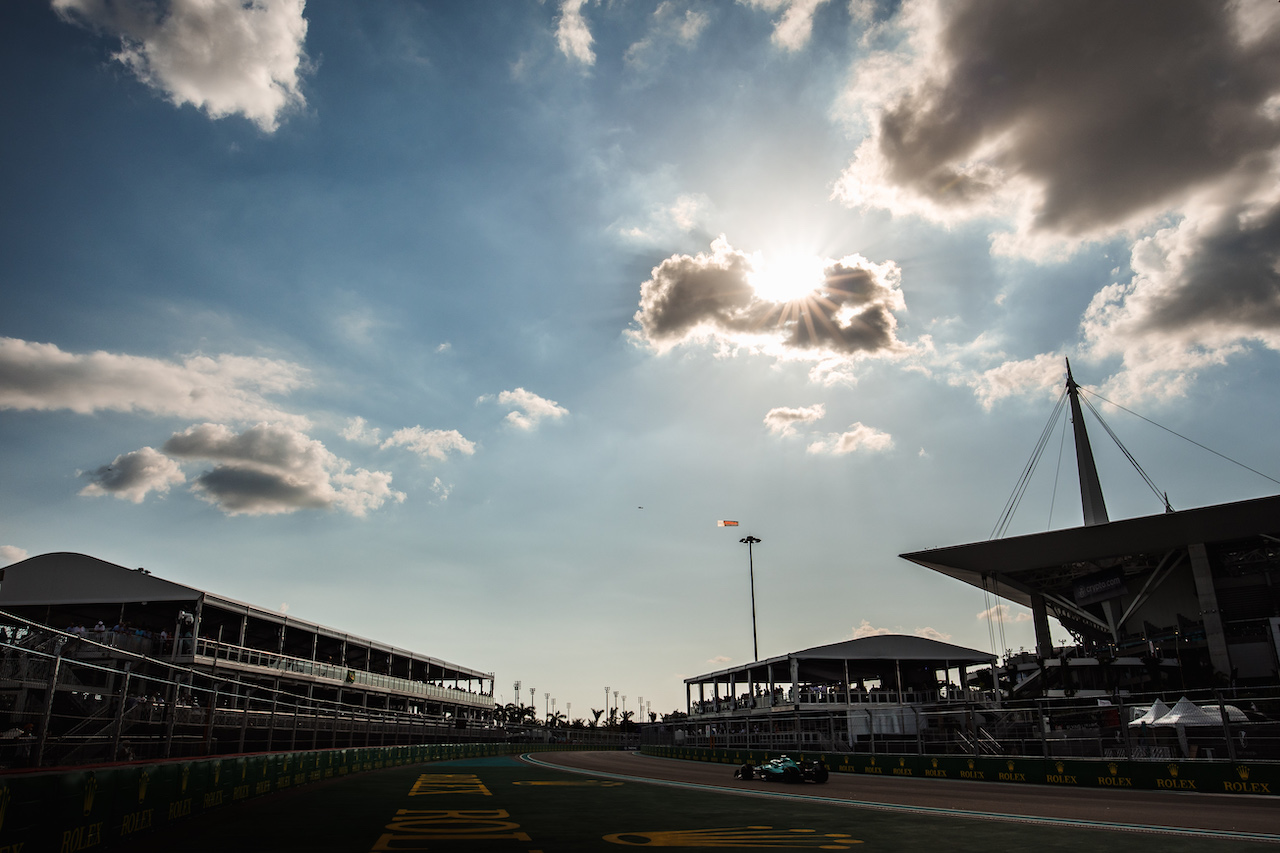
x=1100, y=586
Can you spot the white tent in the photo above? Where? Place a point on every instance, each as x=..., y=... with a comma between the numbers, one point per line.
x=1234, y=714
x=1187, y=714
x=1155, y=712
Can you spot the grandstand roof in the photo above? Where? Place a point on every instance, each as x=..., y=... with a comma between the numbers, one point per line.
x=78, y=579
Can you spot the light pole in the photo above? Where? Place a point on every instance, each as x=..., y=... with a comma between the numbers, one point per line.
x=640, y=708
x=517, y=711
x=751, y=565
x=533, y=709
x=606, y=705
x=546, y=704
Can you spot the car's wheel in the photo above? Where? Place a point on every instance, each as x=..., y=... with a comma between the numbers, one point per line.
x=821, y=774
x=791, y=774
x=746, y=771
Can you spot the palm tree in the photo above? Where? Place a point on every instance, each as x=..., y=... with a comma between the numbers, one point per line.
x=555, y=719
x=595, y=718
x=626, y=719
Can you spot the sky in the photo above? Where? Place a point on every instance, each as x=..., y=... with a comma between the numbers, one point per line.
x=460, y=325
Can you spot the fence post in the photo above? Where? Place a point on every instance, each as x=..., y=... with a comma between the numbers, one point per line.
x=50, y=692
x=124, y=701
x=1226, y=726
x=244, y=721
x=171, y=709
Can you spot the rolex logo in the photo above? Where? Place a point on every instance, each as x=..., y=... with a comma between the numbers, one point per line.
x=1173, y=770
x=1113, y=767
x=970, y=763
x=1058, y=766
x=186, y=776
x=1009, y=764
x=142, y=786
x=934, y=762
x=902, y=762
x=90, y=791
x=1243, y=771
x=873, y=761
x=736, y=836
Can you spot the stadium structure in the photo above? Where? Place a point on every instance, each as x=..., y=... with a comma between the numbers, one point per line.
x=102, y=662
x=1163, y=607
x=1186, y=599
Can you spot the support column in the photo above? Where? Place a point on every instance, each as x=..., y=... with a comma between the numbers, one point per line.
x=1214, y=636
x=1040, y=619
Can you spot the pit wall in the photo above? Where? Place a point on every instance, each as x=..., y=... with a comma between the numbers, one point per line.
x=72, y=809
x=1215, y=777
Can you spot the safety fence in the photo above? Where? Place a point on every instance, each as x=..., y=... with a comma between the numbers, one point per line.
x=1235, y=725
x=68, y=700
x=1217, y=777
x=78, y=809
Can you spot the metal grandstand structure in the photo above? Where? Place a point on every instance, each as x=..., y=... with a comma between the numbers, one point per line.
x=145, y=667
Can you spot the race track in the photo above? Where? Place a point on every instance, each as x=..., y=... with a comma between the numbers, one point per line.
x=1139, y=811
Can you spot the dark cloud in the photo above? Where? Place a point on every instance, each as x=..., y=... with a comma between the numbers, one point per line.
x=270, y=469
x=1110, y=108
x=251, y=491
x=131, y=476
x=849, y=312
x=687, y=292
x=1232, y=279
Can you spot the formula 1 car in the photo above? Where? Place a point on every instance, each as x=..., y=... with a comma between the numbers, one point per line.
x=784, y=769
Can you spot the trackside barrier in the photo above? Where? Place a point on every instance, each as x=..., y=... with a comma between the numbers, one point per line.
x=1216, y=777
x=76, y=809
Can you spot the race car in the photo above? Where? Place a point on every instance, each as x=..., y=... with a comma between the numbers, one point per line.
x=784, y=769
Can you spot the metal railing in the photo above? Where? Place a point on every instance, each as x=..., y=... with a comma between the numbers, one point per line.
x=1051, y=728
x=225, y=652
x=66, y=699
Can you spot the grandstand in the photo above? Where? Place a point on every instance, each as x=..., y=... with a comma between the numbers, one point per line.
x=104, y=662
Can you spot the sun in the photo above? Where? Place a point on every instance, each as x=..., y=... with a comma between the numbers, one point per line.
x=787, y=278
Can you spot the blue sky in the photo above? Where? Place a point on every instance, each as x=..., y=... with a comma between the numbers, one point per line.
x=395, y=314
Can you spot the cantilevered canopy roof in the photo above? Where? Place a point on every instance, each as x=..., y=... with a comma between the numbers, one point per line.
x=1021, y=565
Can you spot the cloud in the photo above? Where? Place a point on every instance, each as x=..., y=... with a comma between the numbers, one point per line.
x=532, y=409
x=572, y=36
x=670, y=25
x=1092, y=113
x=719, y=659
x=1076, y=122
x=132, y=476
x=866, y=629
x=1003, y=613
x=1202, y=291
x=11, y=554
x=42, y=377
x=846, y=314
x=859, y=437
x=442, y=489
x=668, y=220
x=431, y=443
x=1045, y=371
x=270, y=469
x=792, y=31
x=359, y=431
x=782, y=420
x=225, y=57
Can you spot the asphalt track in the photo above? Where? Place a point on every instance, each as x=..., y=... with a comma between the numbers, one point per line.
x=1189, y=815
x=606, y=800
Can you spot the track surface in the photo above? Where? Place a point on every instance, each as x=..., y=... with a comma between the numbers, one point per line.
x=1137, y=809
x=559, y=802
